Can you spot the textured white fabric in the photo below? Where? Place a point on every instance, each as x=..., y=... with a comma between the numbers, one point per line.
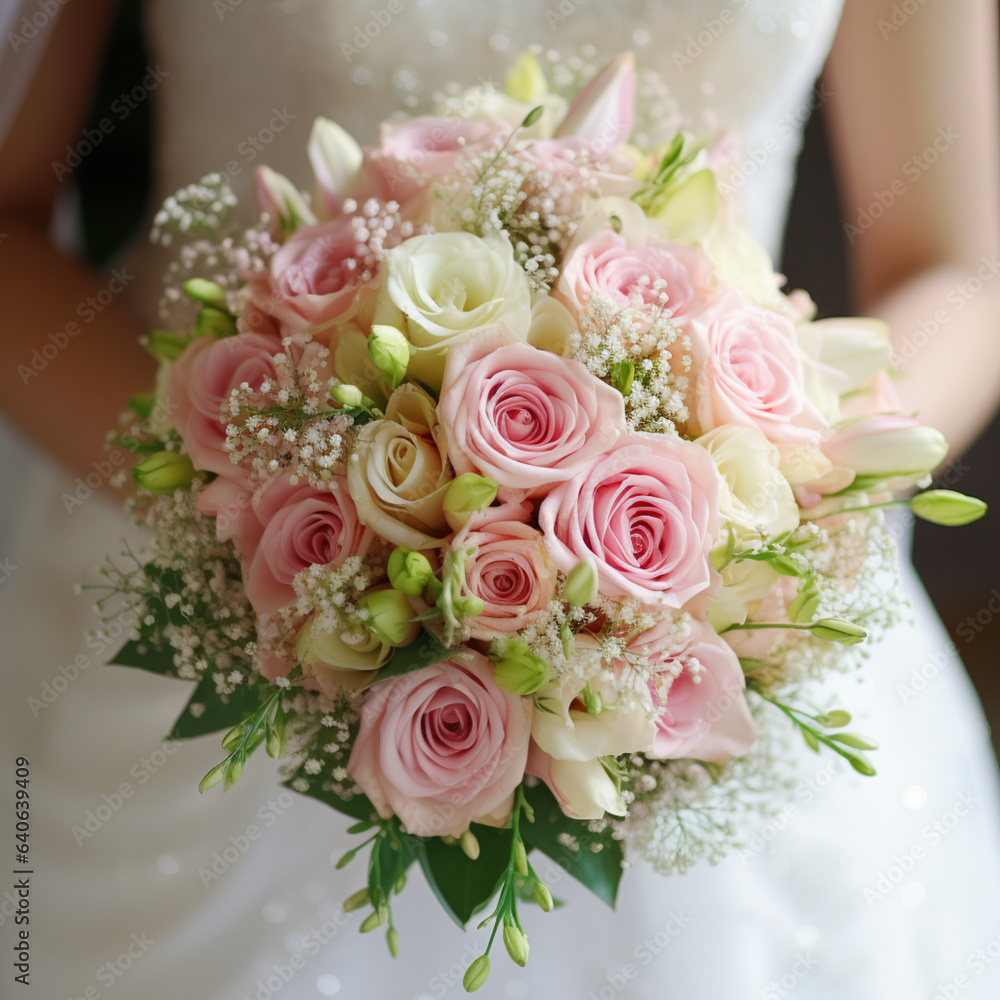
x=791, y=920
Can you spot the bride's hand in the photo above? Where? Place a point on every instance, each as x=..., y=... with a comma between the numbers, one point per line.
x=914, y=116
x=68, y=365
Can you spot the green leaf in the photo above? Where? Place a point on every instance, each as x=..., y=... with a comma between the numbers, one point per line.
x=463, y=886
x=392, y=854
x=810, y=737
x=424, y=652
x=146, y=655
x=856, y=741
x=219, y=713
x=357, y=807
x=600, y=871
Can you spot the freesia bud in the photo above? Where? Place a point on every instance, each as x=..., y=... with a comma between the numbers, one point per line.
x=525, y=81
x=469, y=845
x=409, y=571
x=389, y=352
x=165, y=345
x=886, y=445
x=604, y=111
x=469, y=492
x=519, y=670
x=477, y=974
x=164, y=472
x=212, y=322
x=282, y=201
x=336, y=161
x=392, y=940
x=373, y=920
x=543, y=897
x=210, y=293
x=347, y=395
x=516, y=943
x=803, y=607
x=838, y=630
x=947, y=507
x=580, y=588
x=390, y=617
x=356, y=900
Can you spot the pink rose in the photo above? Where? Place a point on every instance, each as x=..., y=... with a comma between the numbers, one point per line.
x=748, y=371
x=201, y=381
x=317, y=277
x=411, y=153
x=229, y=500
x=442, y=747
x=647, y=514
x=607, y=265
x=703, y=714
x=528, y=418
x=510, y=572
x=301, y=527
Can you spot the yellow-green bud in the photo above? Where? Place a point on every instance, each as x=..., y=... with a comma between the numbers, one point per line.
x=516, y=943
x=622, y=375
x=356, y=900
x=164, y=472
x=389, y=352
x=347, y=395
x=724, y=549
x=469, y=492
x=467, y=606
x=409, y=571
x=520, y=858
x=373, y=920
x=519, y=670
x=390, y=617
x=947, y=507
x=803, y=608
x=838, y=630
x=165, y=345
x=477, y=974
x=210, y=293
x=525, y=80
x=214, y=323
x=581, y=583
x=592, y=700
x=469, y=845
x=543, y=897
x=392, y=940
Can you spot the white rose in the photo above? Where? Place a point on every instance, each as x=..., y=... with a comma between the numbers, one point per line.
x=399, y=473
x=441, y=289
x=572, y=733
x=756, y=496
x=340, y=659
x=745, y=584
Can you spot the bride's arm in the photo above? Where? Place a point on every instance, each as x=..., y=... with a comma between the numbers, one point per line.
x=66, y=398
x=914, y=117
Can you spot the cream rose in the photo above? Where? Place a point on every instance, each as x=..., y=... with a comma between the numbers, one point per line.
x=441, y=289
x=399, y=472
x=756, y=497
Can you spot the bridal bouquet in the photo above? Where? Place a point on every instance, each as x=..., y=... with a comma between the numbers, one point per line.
x=499, y=490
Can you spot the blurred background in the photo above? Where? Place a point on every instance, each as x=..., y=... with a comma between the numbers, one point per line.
x=111, y=198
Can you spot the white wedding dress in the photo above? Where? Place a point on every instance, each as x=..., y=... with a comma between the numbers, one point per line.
x=143, y=890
